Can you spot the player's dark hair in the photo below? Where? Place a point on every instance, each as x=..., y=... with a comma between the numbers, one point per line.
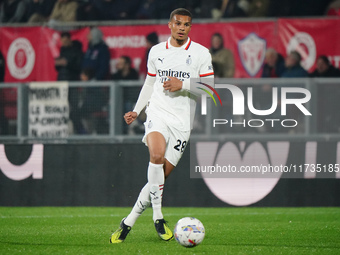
x=180, y=11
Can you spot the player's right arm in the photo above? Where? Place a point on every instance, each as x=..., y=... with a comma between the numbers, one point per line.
x=142, y=100
x=145, y=93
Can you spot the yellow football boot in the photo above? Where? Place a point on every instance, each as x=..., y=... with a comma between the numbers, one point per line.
x=120, y=234
x=163, y=230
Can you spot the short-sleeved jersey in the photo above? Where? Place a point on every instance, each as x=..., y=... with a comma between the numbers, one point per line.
x=191, y=60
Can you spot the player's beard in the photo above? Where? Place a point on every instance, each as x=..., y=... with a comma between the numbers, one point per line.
x=180, y=41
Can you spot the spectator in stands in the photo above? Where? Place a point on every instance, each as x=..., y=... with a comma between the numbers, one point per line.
x=333, y=9
x=258, y=8
x=297, y=8
x=294, y=70
x=39, y=10
x=222, y=58
x=64, y=11
x=68, y=66
x=97, y=56
x=86, y=11
x=324, y=68
x=69, y=62
x=116, y=10
x=13, y=11
x=147, y=10
x=93, y=102
x=151, y=40
x=125, y=71
x=328, y=97
x=280, y=8
x=153, y=9
x=234, y=8
x=310, y=7
x=206, y=8
x=293, y=66
x=274, y=64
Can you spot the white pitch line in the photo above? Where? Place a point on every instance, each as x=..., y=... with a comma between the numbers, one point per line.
x=190, y=213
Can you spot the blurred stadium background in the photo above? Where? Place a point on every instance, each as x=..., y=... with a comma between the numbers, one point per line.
x=64, y=142
x=63, y=139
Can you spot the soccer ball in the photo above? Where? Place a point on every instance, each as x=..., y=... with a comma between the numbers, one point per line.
x=189, y=232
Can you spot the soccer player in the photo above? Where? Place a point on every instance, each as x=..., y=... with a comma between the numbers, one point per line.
x=166, y=92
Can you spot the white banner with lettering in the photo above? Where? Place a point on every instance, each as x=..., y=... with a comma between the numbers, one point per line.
x=48, y=109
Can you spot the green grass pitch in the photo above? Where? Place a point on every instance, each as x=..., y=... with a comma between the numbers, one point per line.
x=86, y=230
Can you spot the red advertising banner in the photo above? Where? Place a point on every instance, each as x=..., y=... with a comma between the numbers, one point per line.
x=30, y=51
x=20, y=47
x=249, y=41
x=311, y=38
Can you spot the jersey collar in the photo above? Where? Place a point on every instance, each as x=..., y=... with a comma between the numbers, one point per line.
x=185, y=46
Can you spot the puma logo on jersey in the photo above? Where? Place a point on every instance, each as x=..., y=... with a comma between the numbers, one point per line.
x=161, y=59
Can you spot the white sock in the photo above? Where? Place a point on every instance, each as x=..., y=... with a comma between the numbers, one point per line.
x=143, y=202
x=156, y=182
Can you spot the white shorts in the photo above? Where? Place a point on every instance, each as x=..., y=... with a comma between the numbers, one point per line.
x=176, y=140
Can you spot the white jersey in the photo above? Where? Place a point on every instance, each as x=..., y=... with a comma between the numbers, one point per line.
x=191, y=60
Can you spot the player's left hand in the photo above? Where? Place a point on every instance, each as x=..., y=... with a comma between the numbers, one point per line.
x=172, y=84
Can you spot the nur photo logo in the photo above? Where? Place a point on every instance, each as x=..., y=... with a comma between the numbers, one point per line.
x=243, y=102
